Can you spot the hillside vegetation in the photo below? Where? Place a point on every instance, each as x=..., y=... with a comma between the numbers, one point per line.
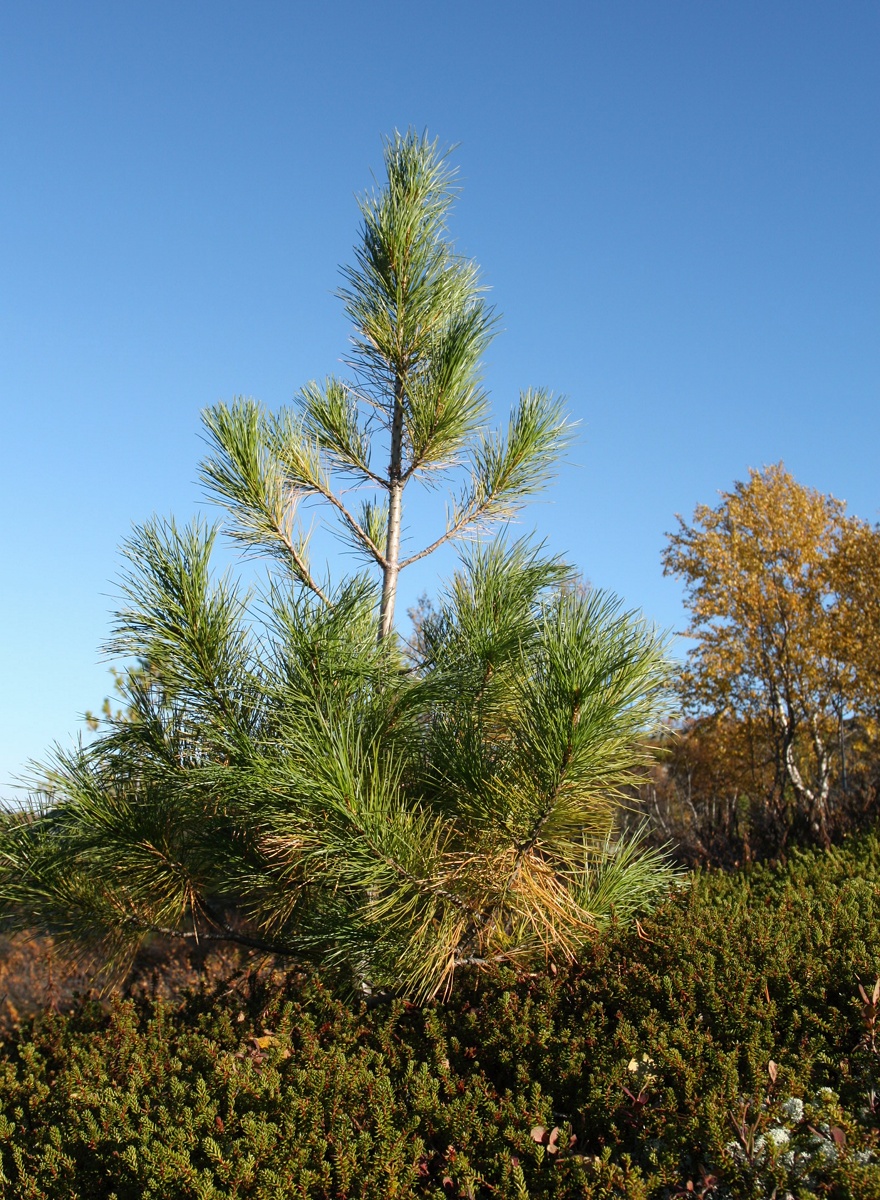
x=724, y=1046
x=467, y=844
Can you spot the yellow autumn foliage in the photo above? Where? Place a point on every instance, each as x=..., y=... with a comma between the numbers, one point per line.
x=782, y=589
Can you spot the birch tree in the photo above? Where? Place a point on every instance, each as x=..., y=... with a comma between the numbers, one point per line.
x=766, y=591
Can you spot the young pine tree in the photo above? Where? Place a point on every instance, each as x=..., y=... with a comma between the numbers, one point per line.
x=285, y=776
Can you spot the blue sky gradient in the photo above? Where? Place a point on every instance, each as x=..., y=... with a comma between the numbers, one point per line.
x=675, y=205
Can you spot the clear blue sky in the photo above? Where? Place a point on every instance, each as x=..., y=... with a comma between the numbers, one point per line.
x=675, y=203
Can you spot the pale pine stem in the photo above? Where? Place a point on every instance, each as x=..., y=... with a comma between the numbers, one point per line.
x=391, y=569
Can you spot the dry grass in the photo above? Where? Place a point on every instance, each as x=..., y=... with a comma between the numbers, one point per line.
x=37, y=974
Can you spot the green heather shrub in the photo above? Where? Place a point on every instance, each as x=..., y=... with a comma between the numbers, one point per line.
x=721, y=1048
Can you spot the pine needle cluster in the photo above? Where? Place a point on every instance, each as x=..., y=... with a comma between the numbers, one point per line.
x=285, y=774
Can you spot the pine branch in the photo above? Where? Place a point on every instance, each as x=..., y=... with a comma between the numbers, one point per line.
x=244, y=477
x=507, y=471
x=330, y=417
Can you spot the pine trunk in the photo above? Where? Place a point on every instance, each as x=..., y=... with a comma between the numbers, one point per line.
x=395, y=511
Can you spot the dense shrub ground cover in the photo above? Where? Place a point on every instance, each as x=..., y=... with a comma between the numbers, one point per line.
x=721, y=1048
